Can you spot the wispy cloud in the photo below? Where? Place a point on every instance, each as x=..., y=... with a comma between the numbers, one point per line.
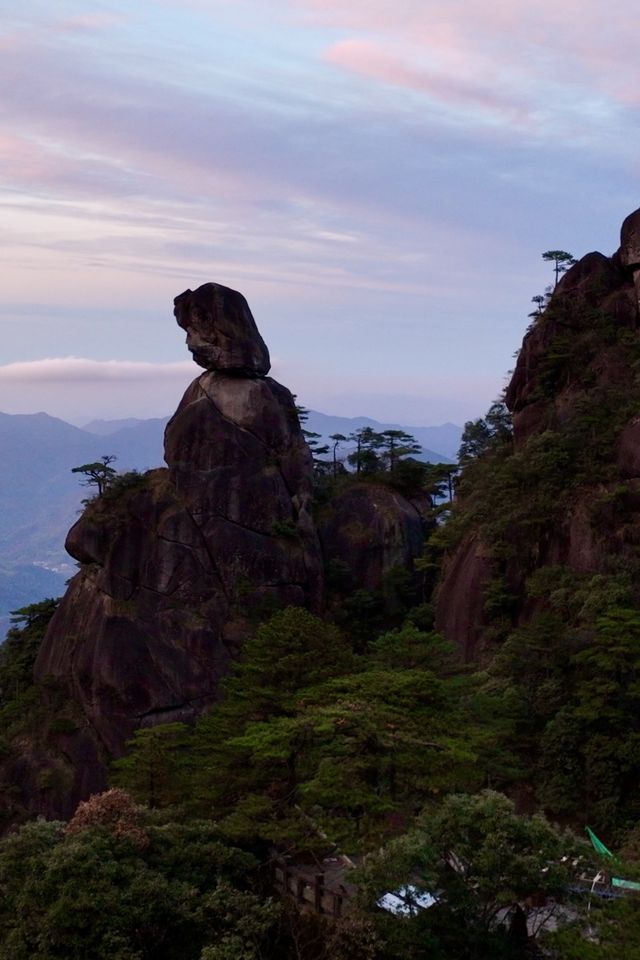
x=77, y=369
x=379, y=179
x=372, y=60
x=563, y=62
x=75, y=388
x=89, y=22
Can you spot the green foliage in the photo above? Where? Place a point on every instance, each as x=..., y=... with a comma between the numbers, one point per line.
x=286, y=529
x=576, y=695
x=19, y=651
x=560, y=646
x=410, y=648
x=561, y=261
x=365, y=457
x=361, y=613
x=439, y=480
x=154, y=768
x=310, y=742
x=122, y=483
x=397, y=444
x=99, y=474
x=92, y=893
x=243, y=921
x=376, y=452
x=252, y=738
x=337, y=438
x=481, y=858
x=486, y=434
x=21, y=704
x=409, y=477
x=612, y=932
x=318, y=450
x=293, y=650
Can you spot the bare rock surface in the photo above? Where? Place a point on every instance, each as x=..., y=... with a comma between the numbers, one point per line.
x=460, y=599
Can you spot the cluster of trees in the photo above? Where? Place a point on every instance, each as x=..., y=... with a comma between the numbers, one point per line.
x=314, y=749
x=387, y=456
x=117, y=882
x=373, y=452
x=486, y=434
x=312, y=740
x=122, y=881
x=562, y=261
x=317, y=748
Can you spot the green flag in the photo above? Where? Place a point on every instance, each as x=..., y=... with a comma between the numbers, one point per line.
x=598, y=845
x=625, y=884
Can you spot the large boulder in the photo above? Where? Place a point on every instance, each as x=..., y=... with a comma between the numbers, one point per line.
x=221, y=331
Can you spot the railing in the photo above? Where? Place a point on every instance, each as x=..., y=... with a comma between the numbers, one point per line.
x=310, y=891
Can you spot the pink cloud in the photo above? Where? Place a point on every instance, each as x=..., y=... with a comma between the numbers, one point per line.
x=552, y=56
x=371, y=60
x=88, y=22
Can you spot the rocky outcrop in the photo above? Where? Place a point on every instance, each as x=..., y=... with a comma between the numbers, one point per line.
x=542, y=385
x=575, y=400
x=178, y=566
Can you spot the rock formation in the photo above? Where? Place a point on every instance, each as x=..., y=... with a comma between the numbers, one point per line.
x=221, y=331
x=372, y=530
x=539, y=396
x=574, y=485
x=177, y=566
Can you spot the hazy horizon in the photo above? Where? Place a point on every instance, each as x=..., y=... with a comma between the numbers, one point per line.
x=82, y=420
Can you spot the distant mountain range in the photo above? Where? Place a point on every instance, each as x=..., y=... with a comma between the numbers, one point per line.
x=439, y=444
x=40, y=498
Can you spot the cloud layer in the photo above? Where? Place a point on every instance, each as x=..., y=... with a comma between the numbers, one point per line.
x=78, y=369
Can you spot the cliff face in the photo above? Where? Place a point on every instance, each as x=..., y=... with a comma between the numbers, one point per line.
x=568, y=491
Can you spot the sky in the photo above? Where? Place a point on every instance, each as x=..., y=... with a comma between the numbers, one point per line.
x=378, y=178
